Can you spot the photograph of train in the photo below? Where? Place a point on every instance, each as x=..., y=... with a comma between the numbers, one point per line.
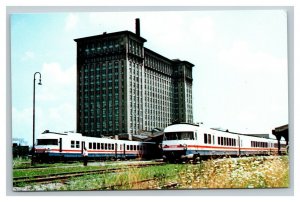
x=183, y=142
x=69, y=146
x=149, y=100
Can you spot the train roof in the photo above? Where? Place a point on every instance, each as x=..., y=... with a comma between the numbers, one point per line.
x=49, y=133
x=185, y=127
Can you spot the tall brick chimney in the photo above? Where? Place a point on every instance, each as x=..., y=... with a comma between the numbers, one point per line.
x=137, y=27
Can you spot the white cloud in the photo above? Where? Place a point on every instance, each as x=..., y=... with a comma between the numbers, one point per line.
x=71, y=21
x=249, y=89
x=241, y=57
x=28, y=55
x=55, y=103
x=204, y=29
x=22, y=124
x=57, y=83
x=59, y=118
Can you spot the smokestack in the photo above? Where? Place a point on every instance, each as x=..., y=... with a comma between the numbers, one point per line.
x=137, y=26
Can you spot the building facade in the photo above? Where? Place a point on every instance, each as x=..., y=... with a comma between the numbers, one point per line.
x=125, y=88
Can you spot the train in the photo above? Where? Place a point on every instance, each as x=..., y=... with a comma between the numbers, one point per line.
x=192, y=142
x=53, y=146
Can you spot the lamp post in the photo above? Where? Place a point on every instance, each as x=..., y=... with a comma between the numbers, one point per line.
x=33, y=115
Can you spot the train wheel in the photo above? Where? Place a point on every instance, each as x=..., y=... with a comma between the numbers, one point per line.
x=184, y=160
x=197, y=159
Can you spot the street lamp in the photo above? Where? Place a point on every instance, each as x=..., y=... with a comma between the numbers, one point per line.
x=33, y=129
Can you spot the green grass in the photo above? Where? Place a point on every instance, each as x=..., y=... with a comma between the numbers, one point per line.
x=254, y=172
x=160, y=174
x=23, y=163
x=54, y=170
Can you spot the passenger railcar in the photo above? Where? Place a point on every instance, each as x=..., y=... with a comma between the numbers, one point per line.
x=51, y=146
x=183, y=142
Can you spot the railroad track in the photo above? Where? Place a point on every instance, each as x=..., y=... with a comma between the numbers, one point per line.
x=67, y=175
x=116, y=186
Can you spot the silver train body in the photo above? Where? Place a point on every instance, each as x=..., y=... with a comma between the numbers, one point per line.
x=182, y=142
x=52, y=146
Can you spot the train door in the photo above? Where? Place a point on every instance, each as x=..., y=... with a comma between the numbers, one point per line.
x=82, y=146
x=116, y=150
x=239, y=144
x=124, y=152
x=60, y=144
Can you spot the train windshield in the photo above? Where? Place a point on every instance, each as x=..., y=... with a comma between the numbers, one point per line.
x=179, y=136
x=47, y=142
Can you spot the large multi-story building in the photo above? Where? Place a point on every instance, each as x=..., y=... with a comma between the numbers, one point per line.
x=123, y=87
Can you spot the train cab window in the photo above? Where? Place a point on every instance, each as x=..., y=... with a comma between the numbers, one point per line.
x=77, y=144
x=186, y=136
x=47, y=142
x=90, y=145
x=98, y=145
x=72, y=143
x=179, y=136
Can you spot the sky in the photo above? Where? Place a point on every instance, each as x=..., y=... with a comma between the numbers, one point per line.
x=240, y=57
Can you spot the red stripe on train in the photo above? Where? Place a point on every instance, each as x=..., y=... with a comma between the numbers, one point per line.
x=215, y=147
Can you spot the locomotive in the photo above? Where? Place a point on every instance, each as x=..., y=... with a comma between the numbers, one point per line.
x=185, y=142
x=52, y=146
